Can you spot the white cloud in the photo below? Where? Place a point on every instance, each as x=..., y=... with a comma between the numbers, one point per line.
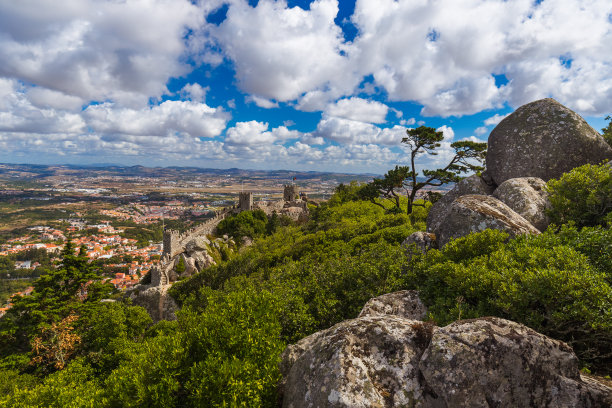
x=481, y=130
x=495, y=119
x=433, y=53
x=282, y=53
x=447, y=132
x=18, y=114
x=358, y=109
x=408, y=122
x=348, y=131
x=195, y=92
x=262, y=102
x=170, y=117
x=96, y=50
x=254, y=133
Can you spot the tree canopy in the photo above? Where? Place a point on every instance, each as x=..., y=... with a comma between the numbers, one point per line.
x=468, y=156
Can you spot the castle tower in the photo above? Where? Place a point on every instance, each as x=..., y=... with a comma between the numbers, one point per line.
x=170, y=242
x=245, y=201
x=291, y=192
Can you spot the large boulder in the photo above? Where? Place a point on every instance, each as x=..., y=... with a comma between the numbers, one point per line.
x=528, y=197
x=405, y=303
x=390, y=361
x=542, y=139
x=492, y=362
x=372, y=361
x=476, y=213
x=469, y=185
x=199, y=243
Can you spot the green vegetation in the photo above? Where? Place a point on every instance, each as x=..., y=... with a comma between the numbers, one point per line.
x=546, y=282
x=582, y=196
x=10, y=286
x=239, y=315
x=607, y=131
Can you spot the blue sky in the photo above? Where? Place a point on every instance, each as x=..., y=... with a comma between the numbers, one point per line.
x=307, y=85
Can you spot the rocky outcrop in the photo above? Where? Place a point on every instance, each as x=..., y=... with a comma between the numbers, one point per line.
x=528, y=197
x=405, y=303
x=372, y=361
x=542, y=139
x=495, y=362
x=476, y=213
x=392, y=361
x=421, y=240
x=469, y=185
x=155, y=300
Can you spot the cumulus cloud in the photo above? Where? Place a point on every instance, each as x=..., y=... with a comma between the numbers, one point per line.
x=495, y=119
x=256, y=133
x=195, y=92
x=481, y=130
x=358, y=109
x=282, y=52
x=170, y=117
x=348, y=131
x=96, y=50
x=262, y=102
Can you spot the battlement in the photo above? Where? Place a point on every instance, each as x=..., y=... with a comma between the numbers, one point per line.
x=174, y=241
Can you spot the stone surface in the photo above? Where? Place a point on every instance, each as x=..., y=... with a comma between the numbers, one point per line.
x=203, y=260
x=542, y=139
x=421, y=240
x=391, y=361
x=199, y=243
x=190, y=266
x=367, y=362
x=156, y=301
x=475, y=213
x=492, y=362
x=469, y=185
x=528, y=197
x=404, y=303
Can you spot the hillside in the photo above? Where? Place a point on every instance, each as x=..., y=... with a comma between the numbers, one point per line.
x=284, y=307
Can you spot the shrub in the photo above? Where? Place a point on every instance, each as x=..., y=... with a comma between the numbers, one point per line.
x=583, y=195
x=545, y=285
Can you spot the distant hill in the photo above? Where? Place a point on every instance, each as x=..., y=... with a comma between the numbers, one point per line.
x=34, y=171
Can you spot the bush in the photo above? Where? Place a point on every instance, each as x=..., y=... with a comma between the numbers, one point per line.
x=245, y=224
x=583, y=195
x=537, y=281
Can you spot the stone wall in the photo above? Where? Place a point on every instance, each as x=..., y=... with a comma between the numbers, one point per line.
x=291, y=192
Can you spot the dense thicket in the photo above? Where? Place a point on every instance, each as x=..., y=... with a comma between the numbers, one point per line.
x=238, y=316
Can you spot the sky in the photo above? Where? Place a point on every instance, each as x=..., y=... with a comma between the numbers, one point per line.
x=321, y=85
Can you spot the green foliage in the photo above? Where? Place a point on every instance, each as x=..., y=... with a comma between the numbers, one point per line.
x=535, y=280
x=245, y=224
x=423, y=140
x=76, y=386
x=607, y=131
x=224, y=354
x=180, y=266
x=583, y=195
